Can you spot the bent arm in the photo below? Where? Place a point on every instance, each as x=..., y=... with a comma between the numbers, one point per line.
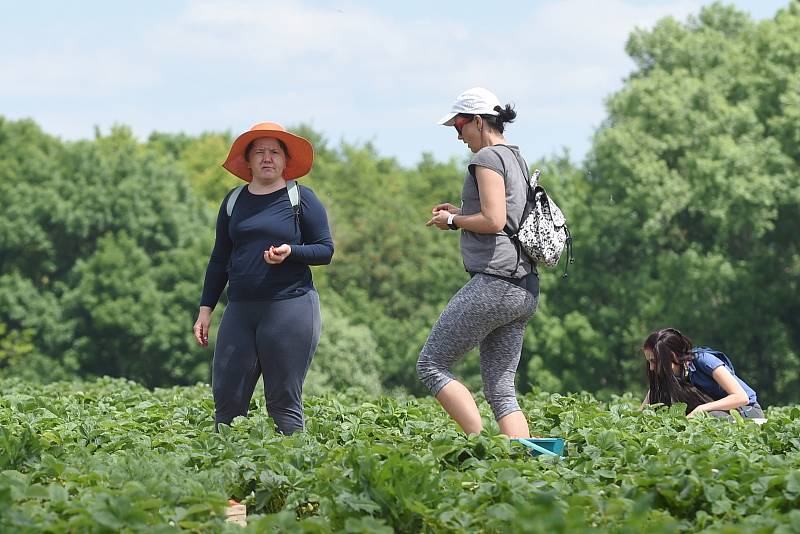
x=646, y=401
x=492, y=217
x=317, y=247
x=736, y=395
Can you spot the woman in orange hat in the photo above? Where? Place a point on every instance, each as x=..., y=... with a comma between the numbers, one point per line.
x=268, y=234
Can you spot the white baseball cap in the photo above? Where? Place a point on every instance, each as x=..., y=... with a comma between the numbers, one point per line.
x=475, y=101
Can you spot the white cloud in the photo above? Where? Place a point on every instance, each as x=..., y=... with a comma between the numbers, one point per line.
x=556, y=47
x=71, y=72
x=351, y=70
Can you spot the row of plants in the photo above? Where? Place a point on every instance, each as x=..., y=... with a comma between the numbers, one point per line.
x=113, y=456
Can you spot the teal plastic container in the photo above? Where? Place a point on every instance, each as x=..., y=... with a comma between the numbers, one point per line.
x=547, y=446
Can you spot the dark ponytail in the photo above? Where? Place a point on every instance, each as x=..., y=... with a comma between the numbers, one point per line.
x=504, y=115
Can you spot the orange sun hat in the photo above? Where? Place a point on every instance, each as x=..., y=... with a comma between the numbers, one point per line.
x=298, y=160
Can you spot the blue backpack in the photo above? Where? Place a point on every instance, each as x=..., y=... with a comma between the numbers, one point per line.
x=721, y=355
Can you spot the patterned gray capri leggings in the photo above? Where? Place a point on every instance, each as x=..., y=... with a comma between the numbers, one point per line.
x=489, y=312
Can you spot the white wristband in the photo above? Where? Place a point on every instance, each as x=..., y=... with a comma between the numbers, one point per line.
x=450, y=221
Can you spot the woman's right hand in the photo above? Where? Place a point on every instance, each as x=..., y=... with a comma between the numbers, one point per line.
x=446, y=207
x=202, y=325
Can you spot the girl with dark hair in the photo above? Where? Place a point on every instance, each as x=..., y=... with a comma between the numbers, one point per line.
x=701, y=377
x=494, y=306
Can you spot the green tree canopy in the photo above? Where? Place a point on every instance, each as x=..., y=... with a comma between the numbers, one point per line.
x=692, y=212
x=684, y=213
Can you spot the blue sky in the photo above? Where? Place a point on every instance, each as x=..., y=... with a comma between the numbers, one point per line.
x=357, y=71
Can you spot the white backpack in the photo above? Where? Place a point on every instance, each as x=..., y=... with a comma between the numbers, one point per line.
x=543, y=233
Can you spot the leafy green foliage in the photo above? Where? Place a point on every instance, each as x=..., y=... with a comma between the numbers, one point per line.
x=111, y=455
x=99, y=263
x=347, y=356
x=684, y=214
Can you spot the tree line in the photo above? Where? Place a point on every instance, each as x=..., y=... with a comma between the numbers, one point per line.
x=684, y=213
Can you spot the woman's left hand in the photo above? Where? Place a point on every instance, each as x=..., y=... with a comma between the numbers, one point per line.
x=439, y=220
x=276, y=255
x=696, y=411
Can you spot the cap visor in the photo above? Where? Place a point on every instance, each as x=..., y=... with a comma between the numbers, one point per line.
x=448, y=120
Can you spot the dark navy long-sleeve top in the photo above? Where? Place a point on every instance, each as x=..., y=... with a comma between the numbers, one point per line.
x=258, y=222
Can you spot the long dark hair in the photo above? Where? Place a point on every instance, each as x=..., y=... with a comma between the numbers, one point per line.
x=669, y=346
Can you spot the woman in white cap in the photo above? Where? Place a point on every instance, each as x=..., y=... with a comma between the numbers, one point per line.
x=268, y=233
x=492, y=309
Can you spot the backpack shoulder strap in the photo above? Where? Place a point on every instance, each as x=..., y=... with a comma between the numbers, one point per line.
x=526, y=174
x=232, y=199
x=724, y=358
x=294, y=196
x=721, y=356
x=512, y=235
x=291, y=187
x=294, y=199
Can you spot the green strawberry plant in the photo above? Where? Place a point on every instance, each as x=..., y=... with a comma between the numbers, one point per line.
x=113, y=456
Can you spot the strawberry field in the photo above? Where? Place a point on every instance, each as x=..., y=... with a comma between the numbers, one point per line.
x=110, y=456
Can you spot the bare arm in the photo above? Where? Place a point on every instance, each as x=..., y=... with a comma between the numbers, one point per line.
x=492, y=217
x=736, y=394
x=646, y=401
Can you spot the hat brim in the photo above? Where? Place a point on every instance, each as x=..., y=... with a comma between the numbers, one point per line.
x=298, y=162
x=449, y=119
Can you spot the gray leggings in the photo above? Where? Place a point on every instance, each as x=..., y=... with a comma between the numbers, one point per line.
x=489, y=312
x=275, y=339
